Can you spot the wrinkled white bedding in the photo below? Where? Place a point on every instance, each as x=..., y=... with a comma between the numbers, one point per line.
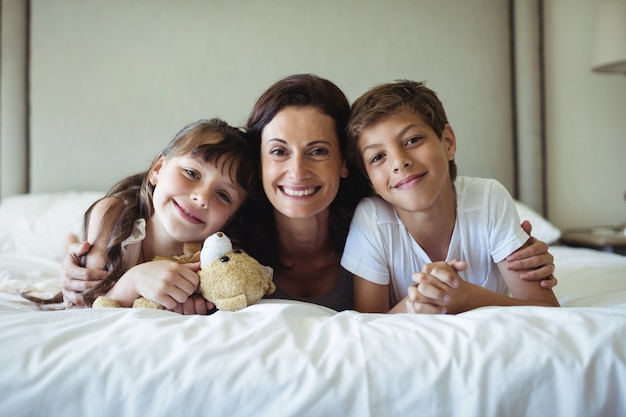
x=280, y=358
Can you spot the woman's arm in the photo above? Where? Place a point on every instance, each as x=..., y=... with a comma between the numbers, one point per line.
x=533, y=261
x=83, y=266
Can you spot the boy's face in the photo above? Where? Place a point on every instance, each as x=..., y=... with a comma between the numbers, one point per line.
x=407, y=164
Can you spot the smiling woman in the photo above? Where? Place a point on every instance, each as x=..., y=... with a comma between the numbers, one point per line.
x=307, y=192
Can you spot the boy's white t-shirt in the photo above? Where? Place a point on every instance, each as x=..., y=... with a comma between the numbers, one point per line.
x=380, y=249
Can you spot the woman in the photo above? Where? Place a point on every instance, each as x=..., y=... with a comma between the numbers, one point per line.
x=307, y=193
x=297, y=219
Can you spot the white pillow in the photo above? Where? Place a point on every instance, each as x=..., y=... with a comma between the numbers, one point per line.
x=542, y=228
x=39, y=223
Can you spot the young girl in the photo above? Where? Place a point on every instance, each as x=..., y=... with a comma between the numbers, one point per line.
x=191, y=190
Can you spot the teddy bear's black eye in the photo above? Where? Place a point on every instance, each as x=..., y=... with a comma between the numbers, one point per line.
x=237, y=251
x=224, y=259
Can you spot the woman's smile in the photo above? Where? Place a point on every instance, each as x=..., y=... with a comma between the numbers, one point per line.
x=298, y=191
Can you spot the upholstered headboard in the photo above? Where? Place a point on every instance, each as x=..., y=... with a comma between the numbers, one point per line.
x=104, y=85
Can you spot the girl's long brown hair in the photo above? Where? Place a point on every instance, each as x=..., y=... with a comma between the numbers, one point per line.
x=212, y=141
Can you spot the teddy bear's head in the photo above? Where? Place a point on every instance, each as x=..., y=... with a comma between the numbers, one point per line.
x=231, y=279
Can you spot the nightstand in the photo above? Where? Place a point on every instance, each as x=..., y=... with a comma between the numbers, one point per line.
x=608, y=239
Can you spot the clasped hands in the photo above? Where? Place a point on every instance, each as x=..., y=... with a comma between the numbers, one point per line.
x=438, y=288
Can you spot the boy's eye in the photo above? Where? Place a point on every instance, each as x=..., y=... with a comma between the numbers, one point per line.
x=412, y=140
x=377, y=158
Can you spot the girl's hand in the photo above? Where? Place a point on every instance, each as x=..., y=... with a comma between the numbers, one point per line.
x=166, y=282
x=195, y=304
x=438, y=288
x=533, y=261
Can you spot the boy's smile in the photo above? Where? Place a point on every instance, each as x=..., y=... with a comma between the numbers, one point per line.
x=408, y=182
x=407, y=164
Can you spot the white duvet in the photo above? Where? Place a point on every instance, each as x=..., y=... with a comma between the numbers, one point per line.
x=281, y=358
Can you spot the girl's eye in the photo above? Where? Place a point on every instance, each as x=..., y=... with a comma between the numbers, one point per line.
x=191, y=173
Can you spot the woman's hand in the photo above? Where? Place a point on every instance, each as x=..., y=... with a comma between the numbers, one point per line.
x=75, y=277
x=533, y=261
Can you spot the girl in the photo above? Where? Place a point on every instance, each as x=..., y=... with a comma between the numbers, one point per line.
x=192, y=189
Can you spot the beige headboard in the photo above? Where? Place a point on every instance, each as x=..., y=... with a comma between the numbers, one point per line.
x=106, y=84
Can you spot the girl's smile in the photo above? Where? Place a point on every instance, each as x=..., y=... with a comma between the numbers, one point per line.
x=187, y=214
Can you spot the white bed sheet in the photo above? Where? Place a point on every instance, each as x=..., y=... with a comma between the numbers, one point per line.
x=281, y=358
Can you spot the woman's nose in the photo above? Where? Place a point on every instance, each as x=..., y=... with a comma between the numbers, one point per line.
x=298, y=168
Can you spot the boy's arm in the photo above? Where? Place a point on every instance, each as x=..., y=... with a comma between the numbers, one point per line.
x=370, y=297
x=526, y=292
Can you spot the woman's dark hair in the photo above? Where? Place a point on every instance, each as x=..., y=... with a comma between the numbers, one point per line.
x=300, y=90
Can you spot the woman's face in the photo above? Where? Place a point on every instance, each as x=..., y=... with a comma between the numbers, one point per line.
x=301, y=161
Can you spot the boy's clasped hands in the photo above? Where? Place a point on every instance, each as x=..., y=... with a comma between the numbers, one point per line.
x=438, y=289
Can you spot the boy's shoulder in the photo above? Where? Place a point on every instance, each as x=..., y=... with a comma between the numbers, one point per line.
x=474, y=183
x=473, y=187
x=376, y=209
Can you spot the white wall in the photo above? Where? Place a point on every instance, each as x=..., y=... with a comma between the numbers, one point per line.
x=120, y=77
x=112, y=81
x=586, y=123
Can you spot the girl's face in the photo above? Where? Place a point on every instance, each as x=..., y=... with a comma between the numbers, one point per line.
x=407, y=164
x=301, y=162
x=193, y=199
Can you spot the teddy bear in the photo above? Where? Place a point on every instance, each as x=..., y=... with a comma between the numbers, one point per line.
x=229, y=278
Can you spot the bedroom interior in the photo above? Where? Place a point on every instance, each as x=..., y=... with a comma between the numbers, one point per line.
x=89, y=91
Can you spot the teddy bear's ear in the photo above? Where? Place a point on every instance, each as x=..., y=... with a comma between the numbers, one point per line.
x=269, y=272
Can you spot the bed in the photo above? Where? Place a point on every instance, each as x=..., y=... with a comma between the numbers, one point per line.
x=282, y=358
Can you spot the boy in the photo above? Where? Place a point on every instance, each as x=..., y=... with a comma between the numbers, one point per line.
x=404, y=243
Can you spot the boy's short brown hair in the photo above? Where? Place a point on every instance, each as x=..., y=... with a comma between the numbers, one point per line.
x=384, y=101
